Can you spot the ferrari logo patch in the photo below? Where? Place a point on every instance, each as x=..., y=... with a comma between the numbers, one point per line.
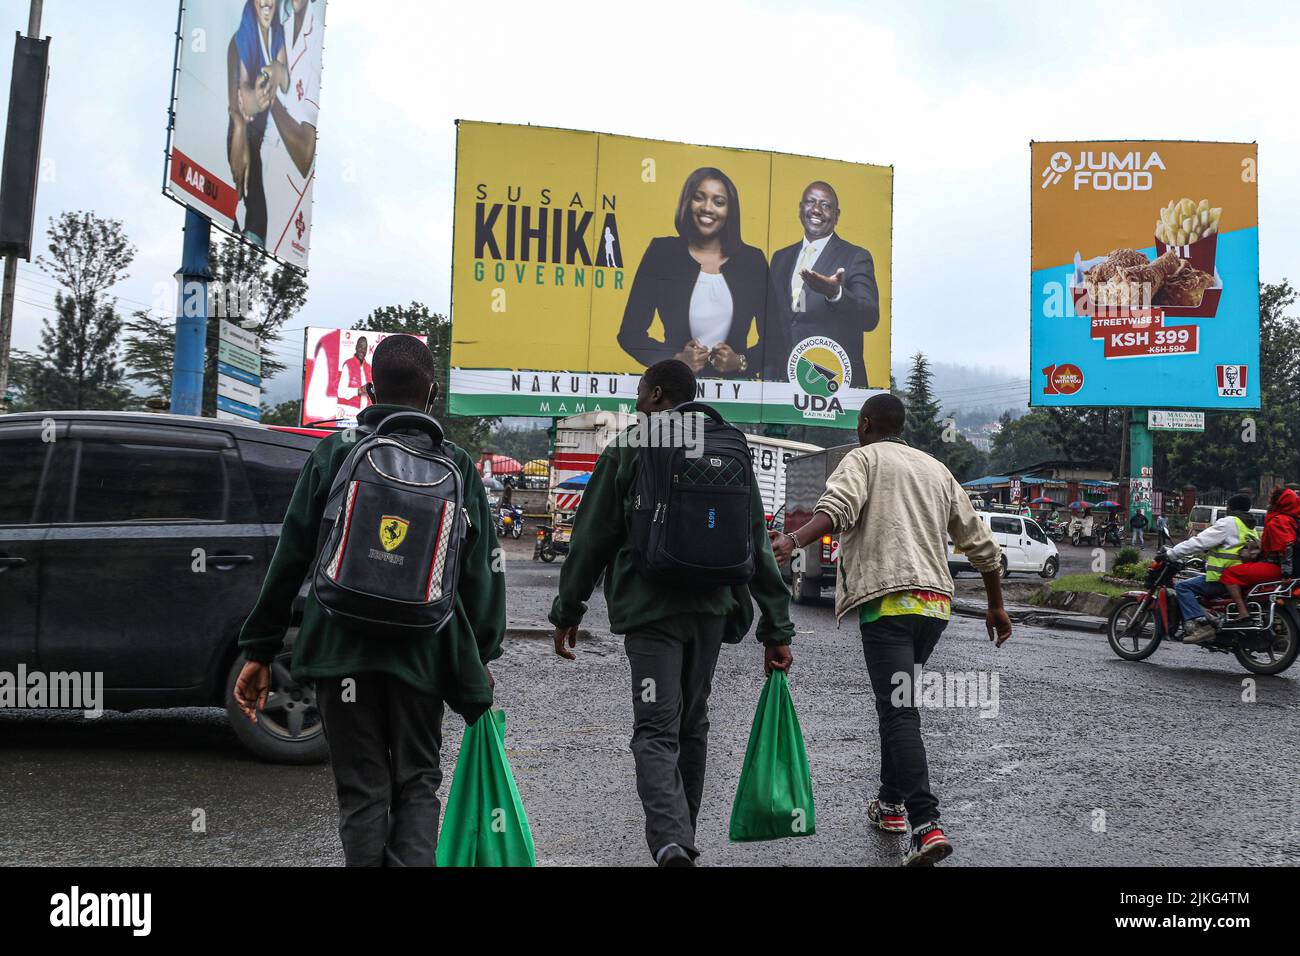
x=392, y=531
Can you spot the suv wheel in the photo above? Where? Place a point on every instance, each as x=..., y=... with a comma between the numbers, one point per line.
x=289, y=729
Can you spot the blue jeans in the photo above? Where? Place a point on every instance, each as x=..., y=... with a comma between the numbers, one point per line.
x=1186, y=592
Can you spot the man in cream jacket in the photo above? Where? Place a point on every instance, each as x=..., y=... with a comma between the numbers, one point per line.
x=895, y=508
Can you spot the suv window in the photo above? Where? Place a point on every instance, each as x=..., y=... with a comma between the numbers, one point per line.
x=1000, y=524
x=20, y=479
x=1200, y=514
x=134, y=481
x=272, y=472
x=1035, y=532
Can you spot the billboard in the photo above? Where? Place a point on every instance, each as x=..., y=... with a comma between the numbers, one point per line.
x=335, y=373
x=579, y=259
x=242, y=145
x=1145, y=275
x=239, y=374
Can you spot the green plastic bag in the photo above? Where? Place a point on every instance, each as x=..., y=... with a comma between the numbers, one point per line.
x=774, y=798
x=485, y=824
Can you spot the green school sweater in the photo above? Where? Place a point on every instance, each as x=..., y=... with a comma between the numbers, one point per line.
x=601, y=539
x=448, y=662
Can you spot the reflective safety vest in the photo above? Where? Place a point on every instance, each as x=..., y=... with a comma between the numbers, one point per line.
x=1225, y=557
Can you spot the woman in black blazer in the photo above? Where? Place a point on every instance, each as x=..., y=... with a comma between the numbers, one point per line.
x=705, y=283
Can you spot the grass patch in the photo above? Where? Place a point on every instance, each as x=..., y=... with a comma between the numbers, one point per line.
x=1088, y=583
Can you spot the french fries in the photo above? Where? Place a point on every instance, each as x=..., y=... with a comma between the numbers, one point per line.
x=1185, y=221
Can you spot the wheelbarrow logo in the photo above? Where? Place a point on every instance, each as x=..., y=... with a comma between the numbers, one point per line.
x=819, y=366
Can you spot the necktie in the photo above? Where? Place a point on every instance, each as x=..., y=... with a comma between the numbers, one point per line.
x=796, y=284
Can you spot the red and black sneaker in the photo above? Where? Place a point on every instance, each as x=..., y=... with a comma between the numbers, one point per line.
x=890, y=817
x=929, y=846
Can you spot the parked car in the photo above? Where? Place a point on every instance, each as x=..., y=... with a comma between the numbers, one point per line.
x=135, y=544
x=1025, y=546
x=1202, y=516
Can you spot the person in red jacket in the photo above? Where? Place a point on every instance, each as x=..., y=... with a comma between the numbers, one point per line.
x=1280, y=526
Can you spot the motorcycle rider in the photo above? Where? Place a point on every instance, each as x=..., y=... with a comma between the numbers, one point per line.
x=1222, y=543
x=1086, y=528
x=1280, y=527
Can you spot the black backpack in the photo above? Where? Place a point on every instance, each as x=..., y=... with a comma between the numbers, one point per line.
x=393, y=528
x=691, y=517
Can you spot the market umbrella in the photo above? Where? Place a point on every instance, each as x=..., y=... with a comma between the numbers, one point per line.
x=577, y=482
x=1078, y=505
x=1108, y=504
x=1041, y=500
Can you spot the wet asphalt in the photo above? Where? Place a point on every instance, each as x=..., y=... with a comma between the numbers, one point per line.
x=1090, y=760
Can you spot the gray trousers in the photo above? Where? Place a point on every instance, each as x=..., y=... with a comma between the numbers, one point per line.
x=672, y=675
x=384, y=748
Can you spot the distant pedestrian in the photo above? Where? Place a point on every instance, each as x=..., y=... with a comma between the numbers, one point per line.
x=1138, y=524
x=894, y=575
x=1162, y=531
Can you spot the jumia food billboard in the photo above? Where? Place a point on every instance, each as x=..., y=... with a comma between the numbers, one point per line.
x=580, y=259
x=1145, y=275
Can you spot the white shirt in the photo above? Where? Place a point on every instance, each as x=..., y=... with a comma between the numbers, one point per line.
x=809, y=253
x=711, y=309
x=1223, y=531
x=288, y=192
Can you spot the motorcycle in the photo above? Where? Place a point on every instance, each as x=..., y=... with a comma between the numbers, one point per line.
x=548, y=546
x=1112, y=535
x=510, y=521
x=1269, y=646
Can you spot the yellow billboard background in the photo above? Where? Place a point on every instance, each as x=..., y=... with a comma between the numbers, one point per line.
x=560, y=317
x=1095, y=222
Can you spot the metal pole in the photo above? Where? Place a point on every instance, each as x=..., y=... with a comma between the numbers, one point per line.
x=11, y=258
x=191, y=317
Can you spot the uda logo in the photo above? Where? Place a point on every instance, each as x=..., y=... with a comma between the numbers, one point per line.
x=392, y=531
x=819, y=368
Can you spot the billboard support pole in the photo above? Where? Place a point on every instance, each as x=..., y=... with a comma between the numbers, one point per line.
x=1141, y=474
x=34, y=9
x=191, y=317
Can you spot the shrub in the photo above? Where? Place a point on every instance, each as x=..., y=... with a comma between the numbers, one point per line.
x=1128, y=556
x=1134, y=571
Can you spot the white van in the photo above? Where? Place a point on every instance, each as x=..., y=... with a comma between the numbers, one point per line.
x=1025, y=546
x=1202, y=516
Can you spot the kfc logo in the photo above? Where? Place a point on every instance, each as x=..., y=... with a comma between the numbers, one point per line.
x=1231, y=380
x=299, y=225
x=298, y=89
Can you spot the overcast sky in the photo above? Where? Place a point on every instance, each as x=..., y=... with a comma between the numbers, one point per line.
x=949, y=94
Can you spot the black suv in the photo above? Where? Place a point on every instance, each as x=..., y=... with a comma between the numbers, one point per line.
x=135, y=544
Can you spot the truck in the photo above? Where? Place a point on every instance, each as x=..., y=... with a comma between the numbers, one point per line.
x=579, y=440
x=811, y=569
x=771, y=457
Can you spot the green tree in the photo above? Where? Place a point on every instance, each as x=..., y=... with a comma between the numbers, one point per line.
x=78, y=365
x=285, y=413
x=247, y=288
x=415, y=319
x=1236, y=448
x=1023, y=441
x=1088, y=434
x=921, y=428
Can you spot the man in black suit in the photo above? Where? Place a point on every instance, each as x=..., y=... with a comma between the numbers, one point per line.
x=820, y=286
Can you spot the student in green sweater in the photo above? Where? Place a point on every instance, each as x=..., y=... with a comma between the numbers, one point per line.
x=672, y=634
x=381, y=690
